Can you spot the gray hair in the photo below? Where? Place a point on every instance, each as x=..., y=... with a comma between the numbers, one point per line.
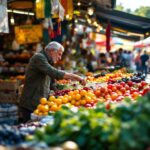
x=54, y=45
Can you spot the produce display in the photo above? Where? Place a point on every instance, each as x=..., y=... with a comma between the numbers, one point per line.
x=125, y=126
x=111, y=112
x=114, y=91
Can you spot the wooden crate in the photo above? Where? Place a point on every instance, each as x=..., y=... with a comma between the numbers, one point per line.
x=9, y=97
x=9, y=85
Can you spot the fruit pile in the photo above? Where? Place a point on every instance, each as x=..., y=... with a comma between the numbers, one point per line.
x=118, y=91
x=125, y=127
x=110, y=76
x=88, y=98
x=77, y=98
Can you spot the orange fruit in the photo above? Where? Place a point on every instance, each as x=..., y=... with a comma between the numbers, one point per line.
x=83, y=92
x=114, y=96
x=83, y=102
x=43, y=101
x=40, y=107
x=77, y=103
x=76, y=91
x=78, y=97
x=45, y=113
x=54, y=107
x=50, y=103
x=73, y=102
x=36, y=111
x=58, y=101
x=65, y=100
x=51, y=98
x=69, y=98
x=46, y=108
x=88, y=99
x=71, y=93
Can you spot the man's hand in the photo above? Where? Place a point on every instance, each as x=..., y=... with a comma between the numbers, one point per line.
x=75, y=77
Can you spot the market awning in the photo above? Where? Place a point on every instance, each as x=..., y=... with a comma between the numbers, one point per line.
x=124, y=21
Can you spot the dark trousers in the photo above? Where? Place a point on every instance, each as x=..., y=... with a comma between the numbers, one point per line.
x=144, y=70
x=24, y=115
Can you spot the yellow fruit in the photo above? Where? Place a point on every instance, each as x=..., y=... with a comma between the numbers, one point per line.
x=73, y=102
x=46, y=108
x=50, y=103
x=54, y=108
x=76, y=91
x=78, y=97
x=83, y=92
x=43, y=101
x=45, y=113
x=36, y=112
x=88, y=99
x=40, y=114
x=58, y=101
x=69, y=98
x=83, y=102
x=65, y=100
x=71, y=93
x=61, y=97
x=40, y=107
x=51, y=98
x=77, y=103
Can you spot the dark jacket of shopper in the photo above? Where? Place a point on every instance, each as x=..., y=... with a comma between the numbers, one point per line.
x=38, y=77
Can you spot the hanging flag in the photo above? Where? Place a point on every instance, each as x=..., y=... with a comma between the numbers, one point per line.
x=47, y=8
x=3, y=17
x=108, y=34
x=68, y=6
x=40, y=9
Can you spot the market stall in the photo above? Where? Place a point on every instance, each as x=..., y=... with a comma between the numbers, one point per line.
x=111, y=111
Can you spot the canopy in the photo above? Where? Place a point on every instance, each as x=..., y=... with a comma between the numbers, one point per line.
x=124, y=21
x=142, y=43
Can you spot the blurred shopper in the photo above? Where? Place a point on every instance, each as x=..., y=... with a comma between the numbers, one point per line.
x=102, y=60
x=39, y=74
x=130, y=60
x=137, y=61
x=119, y=57
x=144, y=63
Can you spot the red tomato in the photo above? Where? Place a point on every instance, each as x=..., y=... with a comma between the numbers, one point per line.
x=109, y=86
x=107, y=105
x=122, y=83
x=130, y=83
x=143, y=83
x=103, y=89
x=97, y=92
x=123, y=90
x=109, y=91
x=119, y=86
x=145, y=91
x=114, y=96
x=114, y=89
x=127, y=87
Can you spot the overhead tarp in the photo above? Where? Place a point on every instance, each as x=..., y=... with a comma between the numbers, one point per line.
x=142, y=43
x=124, y=21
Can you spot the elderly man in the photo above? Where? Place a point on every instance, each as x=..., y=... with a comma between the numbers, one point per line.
x=38, y=76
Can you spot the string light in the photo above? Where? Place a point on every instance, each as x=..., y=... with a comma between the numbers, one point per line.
x=67, y=16
x=89, y=21
x=78, y=3
x=12, y=20
x=20, y=12
x=90, y=11
x=37, y=1
x=76, y=21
